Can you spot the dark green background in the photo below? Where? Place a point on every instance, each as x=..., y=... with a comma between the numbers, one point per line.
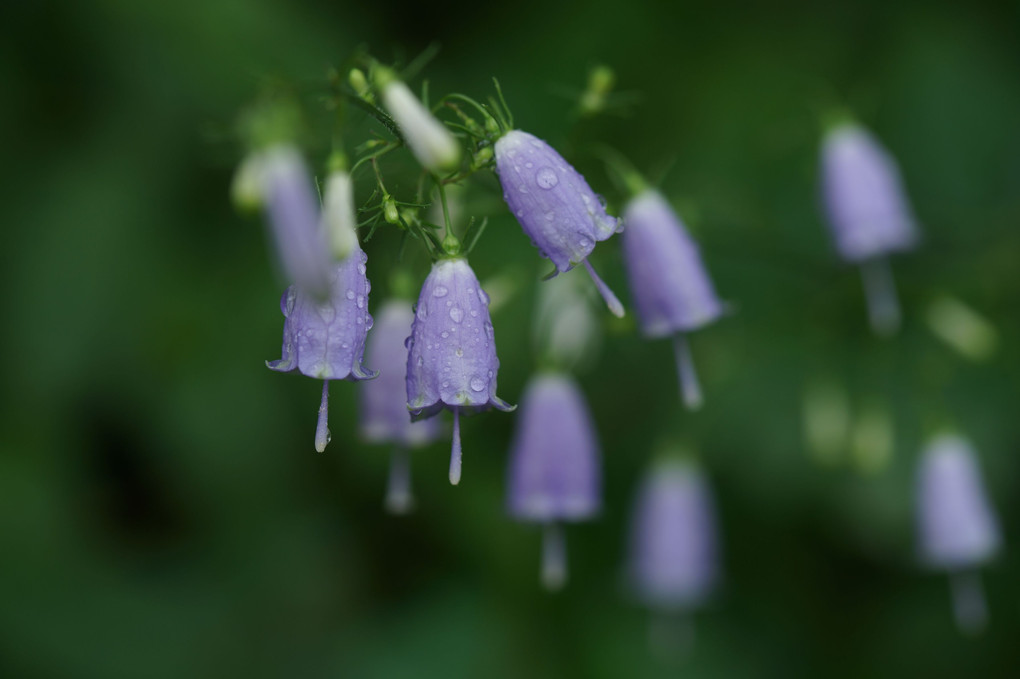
x=162, y=511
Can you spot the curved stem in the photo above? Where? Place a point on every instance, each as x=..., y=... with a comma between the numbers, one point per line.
x=690, y=388
x=322, y=428
x=455, y=453
x=554, y=557
x=611, y=300
x=399, y=498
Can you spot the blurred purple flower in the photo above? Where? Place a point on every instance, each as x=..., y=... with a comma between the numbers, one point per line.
x=957, y=527
x=451, y=359
x=868, y=212
x=554, y=466
x=672, y=292
x=293, y=211
x=384, y=416
x=554, y=205
x=673, y=549
x=326, y=339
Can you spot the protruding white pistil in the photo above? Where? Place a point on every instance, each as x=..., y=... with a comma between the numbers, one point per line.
x=554, y=557
x=690, y=389
x=455, y=453
x=322, y=428
x=611, y=300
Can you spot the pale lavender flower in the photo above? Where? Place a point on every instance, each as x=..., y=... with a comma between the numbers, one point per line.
x=384, y=416
x=326, y=339
x=672, y=292
x=554, y=466
x=554, y=205
x=868, y=212
x=957, y=527
x=451, y=359
x=293, y=211
x=673, y=550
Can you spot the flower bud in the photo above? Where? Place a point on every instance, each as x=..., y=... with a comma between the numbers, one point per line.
x=432, y=144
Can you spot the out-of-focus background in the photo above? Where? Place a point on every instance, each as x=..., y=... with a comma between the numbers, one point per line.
x=163, y=512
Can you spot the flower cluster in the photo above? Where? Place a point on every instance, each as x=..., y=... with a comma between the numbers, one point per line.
x=440, y=353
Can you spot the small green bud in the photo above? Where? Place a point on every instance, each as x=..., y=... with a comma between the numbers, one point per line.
x=600, y=82
x=482, y=157
x=451, y=245
x=492, y=127
x=359, y=82
x=337, y=162
x=409, y=215
x=390, y=213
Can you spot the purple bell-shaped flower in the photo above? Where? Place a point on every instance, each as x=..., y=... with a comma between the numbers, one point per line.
x=451, y=359
x=672, y=292
x=957, y=527
x=554, y=466
x=554, y=205
x=868, y=213
x=325, y=339
x=674, y=555
x=384, y=416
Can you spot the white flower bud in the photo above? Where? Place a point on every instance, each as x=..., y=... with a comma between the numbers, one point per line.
x=339, y=219
x=432, y=144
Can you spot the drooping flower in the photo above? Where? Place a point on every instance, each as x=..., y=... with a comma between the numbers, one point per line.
x=554, y=205
x=957, y=527
x=293, y=212
x=554, y=473
x=869, y=214
x=326, y=339
x=672, y=292
x=673, y=550
x=431, y=143
x=384, y=416
x=451, y=359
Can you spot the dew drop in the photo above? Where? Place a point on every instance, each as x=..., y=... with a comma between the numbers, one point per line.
x=483, y=297
x=473, y=313
x=361, y=301
x=584, y=243
x=550, y=215
x=421, y=361
x=445, y=334
x=459, y=352
x=477, y=383
x=440, y=291
x=457, y=314
x=546, y=178
x=529, y=165
x=408, y=343
x=361, y=269
x=350, y=294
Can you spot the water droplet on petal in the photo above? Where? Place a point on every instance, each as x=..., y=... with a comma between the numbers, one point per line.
x=440, y=291
x=457, y=314
x=459, y=352
x=550, y=215
x=477, y=383
x=361, y=301
x=445, y=334
x=483, y=297
x=350, y=294
x=546, y=178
